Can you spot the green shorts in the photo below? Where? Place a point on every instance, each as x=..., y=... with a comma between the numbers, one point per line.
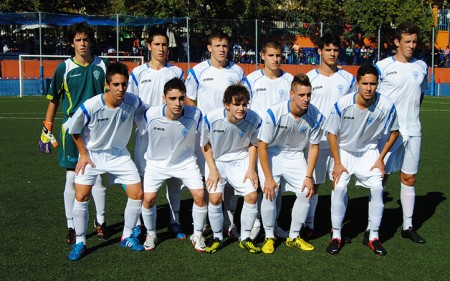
x=67, y=150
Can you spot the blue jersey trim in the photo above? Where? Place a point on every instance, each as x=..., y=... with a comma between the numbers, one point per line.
x=272, y=116
x=207, y=122
x=337, y=109
x=83, y=108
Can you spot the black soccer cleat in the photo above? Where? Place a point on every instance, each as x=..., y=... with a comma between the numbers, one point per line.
x=377, y=248
x=334, y=247
x=412, y=235
x=365, y=240
x=102, y=232
x=71, y=236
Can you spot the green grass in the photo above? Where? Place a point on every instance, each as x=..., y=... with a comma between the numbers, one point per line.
x=32, y=221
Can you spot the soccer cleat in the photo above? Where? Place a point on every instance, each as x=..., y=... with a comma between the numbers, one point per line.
x=249, y=245
x=137, y=231
x=77, y=252
x=198, y=242
x=255, y=229
x=268, y=246
x=299, y=243
x=280, y=233
x=365, y=240
x=233, y=232
x=132, y=243
x=71, y=236
x=175, y=229
x=377, y=248
x=215, y=245
x=206, y=230
x=307, y=233
x=412, y=235
x=334, y=247
x=346, y=238
x=150, y=242
x=101, y=230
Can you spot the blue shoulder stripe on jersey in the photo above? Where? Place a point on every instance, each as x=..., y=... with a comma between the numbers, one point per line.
x=134, y=79
x=337, y=109
x=145, y=116
x=272, y=116
x=224, y=113
x=207, y=122
x=259, y=124
x=139, y=105
x=379, y=72
x=209, y=62
x=163, y=110
x=354, y=98
x=289, y=106
x=353, y=81
x=83, y=108
x=318, y=122
x=191, y=71
x=102, y=99
x=199, y=121
x=391, y=112
x=182, y=74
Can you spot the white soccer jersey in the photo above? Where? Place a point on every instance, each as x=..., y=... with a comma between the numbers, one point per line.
x=171, y=142
x=360, y=129
x=284, y=133
x=265, y=92
x=326, y=90
x=106, y=128
x=148, y=83
x=207, y=84
x=403, y=83
x=230, y=141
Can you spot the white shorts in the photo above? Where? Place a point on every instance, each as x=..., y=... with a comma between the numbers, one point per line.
x=324, y=166
x=116, y=162
x=291, y=167
x=140, y=148
x=188, y=173
x=404, y=155
x=233, y=172
x=359, y=164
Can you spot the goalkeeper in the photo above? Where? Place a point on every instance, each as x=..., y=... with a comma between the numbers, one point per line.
x=74, y=81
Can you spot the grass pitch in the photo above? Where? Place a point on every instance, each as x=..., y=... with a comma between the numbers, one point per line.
x=33, y=228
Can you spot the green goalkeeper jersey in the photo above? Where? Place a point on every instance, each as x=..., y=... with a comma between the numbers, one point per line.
x=74, y=83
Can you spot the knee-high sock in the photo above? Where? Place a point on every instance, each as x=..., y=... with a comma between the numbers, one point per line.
x=248, y=217
x=268, y=215
x=132, y=212
x=199, y=218
x=215, y=215
x=338, y=208
x=149, y=218
x=408, y=199
x=99, y=195
x=299, y=213
x=69, y=198
x=80, y=218
x=173, y=195
x=376, y=208
x=312, y=211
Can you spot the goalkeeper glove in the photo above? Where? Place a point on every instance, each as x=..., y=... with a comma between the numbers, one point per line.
x=47, y=138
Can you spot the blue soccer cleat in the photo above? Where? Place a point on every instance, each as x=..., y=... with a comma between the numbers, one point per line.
x=177, y=231
x=77, y=252
x=132, y=243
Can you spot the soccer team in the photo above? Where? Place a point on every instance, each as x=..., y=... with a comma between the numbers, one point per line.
x=221, y=135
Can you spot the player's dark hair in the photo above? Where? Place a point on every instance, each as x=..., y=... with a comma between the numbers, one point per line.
x=174, y=84
x=116, y=68
x=366, y=69
x=328, y=39
x=217, y=34
x=237, y=91
x=407, y=27
x=301, y=79
x=271, y=44
x=157, y=32
x=81, y=27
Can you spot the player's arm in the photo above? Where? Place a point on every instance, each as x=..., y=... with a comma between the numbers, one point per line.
x=387, y=146
x=251, y=174
x=190, y=102
x=269, y=183
x=338, y=167
x=313, y=154
x=84, y=158
x=214, y=175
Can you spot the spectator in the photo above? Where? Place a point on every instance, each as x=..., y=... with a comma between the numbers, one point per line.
x=349, y=55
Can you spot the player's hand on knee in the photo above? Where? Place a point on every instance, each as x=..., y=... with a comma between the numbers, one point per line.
x=379, y=164
x=212, y=180
x=309, y=184
x=337, y=172
x=252, y=176
x=83, y=161
x=269, y=188
x=47, y=138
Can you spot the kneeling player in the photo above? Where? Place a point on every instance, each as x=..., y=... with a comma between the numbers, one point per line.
x=354, y=129
x=288, y=128
x=101, y=129
x=172, y=131
x=229, y=139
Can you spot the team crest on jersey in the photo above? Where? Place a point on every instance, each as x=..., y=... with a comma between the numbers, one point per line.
x=416, y=75
x=282, y=93
x=96, y=74
x=124, y=116
x=303, y=129
x=230, y=81
x=369, y=120
x=340, y=88
x=184, y=132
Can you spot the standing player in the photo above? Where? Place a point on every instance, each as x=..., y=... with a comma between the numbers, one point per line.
x=329, y=83
x=172, y=133
x=404, y=79
x=354, y=127
x=269, y=86
x=74, y=81
x=228, y=140
x=288, y=128
x=147, y=82
x=101, y=129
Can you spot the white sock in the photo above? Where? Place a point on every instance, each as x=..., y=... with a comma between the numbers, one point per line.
x=248, y=217
x=268, y=215
x=173, y=195
x=376, y=208
x=407, y=198
x=99, y=195
x=199, y=218
x=69, y=198
x=215, y=215
x=338, y=208
x=132, y=212
x=312, y=211
x=80, y=218
x=299, y=213
x=149, y=218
